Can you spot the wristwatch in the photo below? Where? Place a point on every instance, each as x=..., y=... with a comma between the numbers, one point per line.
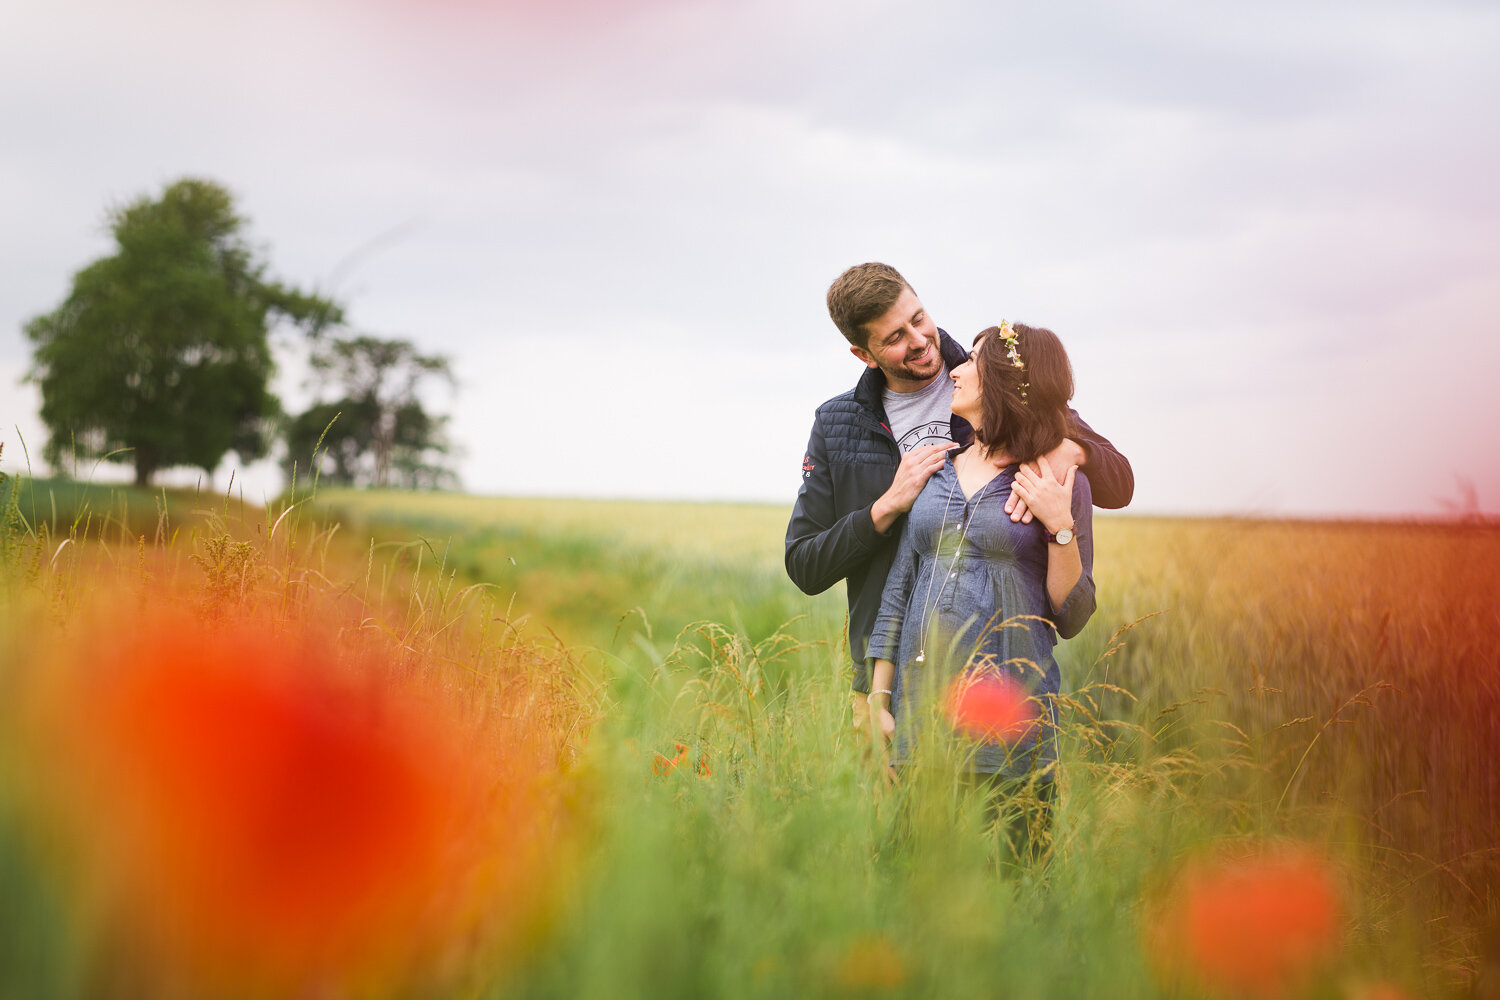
x=1063, y=537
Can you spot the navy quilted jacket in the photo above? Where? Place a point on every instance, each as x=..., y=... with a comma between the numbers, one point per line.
x=851, y=460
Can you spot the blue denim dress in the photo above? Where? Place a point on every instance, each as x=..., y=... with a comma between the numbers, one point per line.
x=963, y=573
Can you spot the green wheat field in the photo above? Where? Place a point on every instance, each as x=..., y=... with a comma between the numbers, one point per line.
x=1334, y=686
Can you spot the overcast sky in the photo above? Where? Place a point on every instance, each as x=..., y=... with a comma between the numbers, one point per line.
x=1268, y=233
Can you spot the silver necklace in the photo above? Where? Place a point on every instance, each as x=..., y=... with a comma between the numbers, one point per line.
x=928, y=604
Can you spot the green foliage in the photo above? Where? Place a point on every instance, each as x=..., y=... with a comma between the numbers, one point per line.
x=736, y=839
x=617, y=576
x=230, y=566
x=23, y=537
x=378, y=433
x=1248, y=701
x=71, y=508
x=161, y=349
x=787, y=867
x=34, y=943
x=331, y=438
x=13, y=527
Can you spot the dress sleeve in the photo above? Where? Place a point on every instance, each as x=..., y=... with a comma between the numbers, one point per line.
x=1114, y=482
x=1079, y=607
x=885, y=637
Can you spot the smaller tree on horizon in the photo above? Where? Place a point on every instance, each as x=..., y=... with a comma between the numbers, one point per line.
x=377, y=432
x=161, y=349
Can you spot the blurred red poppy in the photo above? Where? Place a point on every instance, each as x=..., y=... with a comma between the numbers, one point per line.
x=1258, y=923
x=989, y=707
x=268, y=819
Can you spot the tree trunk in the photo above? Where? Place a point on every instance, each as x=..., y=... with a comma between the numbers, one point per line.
x=383, y=444
x=145, y=466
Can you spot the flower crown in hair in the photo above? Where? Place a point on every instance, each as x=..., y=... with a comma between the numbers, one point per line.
x=1012, y=341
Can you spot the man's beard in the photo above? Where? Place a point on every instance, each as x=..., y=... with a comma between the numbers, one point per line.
x=905, y=373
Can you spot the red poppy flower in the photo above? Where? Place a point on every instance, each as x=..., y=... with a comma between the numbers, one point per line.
x=268, y=819
x=1255, y=925
x=662, y=766
x=990, y=707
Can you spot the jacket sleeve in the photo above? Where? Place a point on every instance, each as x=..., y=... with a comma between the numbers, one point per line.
x=1079, y=606
x=823, y=547
x=1109, y=471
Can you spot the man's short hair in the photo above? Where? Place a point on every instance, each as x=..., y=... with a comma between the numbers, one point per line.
x=861, y=294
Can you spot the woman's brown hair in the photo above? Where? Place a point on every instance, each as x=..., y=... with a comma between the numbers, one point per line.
x=1025, y=426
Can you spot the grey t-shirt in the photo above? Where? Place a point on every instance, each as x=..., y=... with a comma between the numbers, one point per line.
x=921, y=417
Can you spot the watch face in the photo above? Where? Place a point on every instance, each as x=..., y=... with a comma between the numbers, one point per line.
x=1065, y=536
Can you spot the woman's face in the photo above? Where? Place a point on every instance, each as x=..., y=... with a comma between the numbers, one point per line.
x=966, y=387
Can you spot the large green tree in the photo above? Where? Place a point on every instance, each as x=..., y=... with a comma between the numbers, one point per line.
x=162, y=349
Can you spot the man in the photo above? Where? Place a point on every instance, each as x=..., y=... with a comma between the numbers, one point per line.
x=873, y=448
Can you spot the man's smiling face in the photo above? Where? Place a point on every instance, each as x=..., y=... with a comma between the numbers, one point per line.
x=903, y=343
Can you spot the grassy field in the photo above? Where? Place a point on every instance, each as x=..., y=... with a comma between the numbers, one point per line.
x=714, y=827
x=615, y=576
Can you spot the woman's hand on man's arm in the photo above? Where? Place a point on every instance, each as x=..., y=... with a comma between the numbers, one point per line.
x=1069, y=454
x=1048, y=495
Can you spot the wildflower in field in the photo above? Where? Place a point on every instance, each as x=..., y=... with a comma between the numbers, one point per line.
x=270, y=822
x=989, y=707
x=1258, y=923
x=661, y=765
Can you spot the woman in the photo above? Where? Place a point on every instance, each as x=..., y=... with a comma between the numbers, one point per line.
x=964, y=572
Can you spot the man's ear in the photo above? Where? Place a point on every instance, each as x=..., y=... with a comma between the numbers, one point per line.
x=864, y=355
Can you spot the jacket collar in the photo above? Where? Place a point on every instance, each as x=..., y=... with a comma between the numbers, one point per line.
x=954, y=353
x=868, y=391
